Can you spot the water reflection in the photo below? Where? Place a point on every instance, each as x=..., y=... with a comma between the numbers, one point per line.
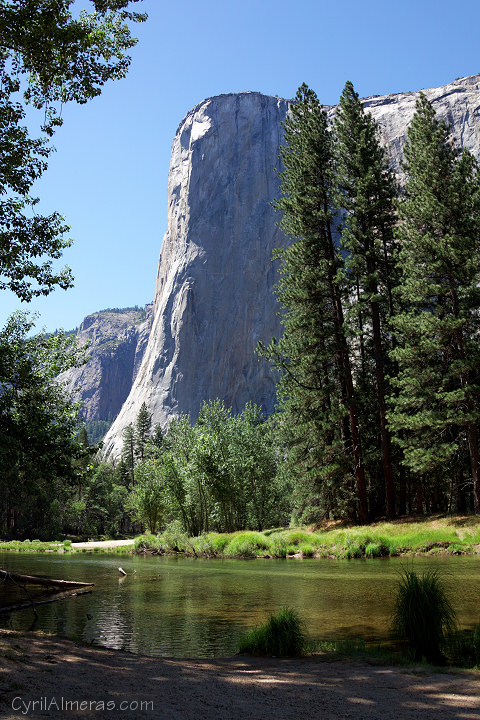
x=193, y=607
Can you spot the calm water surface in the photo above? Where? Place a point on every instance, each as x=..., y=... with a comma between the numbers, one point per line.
x=179, y=607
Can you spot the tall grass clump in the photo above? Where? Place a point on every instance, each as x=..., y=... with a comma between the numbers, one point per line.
x=423, y=615
x=282, y=635
x=247, y=544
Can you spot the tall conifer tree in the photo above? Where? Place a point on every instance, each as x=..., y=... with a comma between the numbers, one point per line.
x=316, y=388
x=366, y=194
x=437, y=406
x=142, y=429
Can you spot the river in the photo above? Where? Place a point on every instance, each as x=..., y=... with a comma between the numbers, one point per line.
x=181, y=607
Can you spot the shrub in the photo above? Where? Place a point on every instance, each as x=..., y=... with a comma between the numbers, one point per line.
x=281, y=635
x=423, y=615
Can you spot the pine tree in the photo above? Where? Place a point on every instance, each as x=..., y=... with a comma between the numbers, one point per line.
x=366, y=194
x=316, y=388
x=143, y=425
x=437, y=406
x=128, y=451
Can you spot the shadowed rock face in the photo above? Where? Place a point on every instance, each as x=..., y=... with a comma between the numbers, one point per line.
x=117, y=342
x=214, y=293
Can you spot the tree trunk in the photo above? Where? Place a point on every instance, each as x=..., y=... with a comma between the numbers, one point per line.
x=419, y=498
x=382, y=411
x=347, y=375
x=475, y=462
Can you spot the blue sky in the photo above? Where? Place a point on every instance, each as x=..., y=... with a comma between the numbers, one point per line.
x=109, y=174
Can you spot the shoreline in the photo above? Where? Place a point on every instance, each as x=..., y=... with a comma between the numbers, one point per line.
x=50, y=671
x=406, y=536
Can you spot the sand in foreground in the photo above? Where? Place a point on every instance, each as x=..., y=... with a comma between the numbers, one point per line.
x=47, y=677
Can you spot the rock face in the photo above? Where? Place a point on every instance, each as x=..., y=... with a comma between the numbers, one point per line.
x=213, y=297
x=117, y=343
x=214, y=293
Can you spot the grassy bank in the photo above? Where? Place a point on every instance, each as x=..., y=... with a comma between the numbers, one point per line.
x=438, y=535
x=452, y=535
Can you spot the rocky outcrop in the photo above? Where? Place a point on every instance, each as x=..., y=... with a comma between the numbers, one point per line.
x=116, y=344
x=214, y=294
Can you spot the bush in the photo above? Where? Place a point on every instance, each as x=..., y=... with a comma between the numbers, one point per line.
x=423, y=615
x=282, y=635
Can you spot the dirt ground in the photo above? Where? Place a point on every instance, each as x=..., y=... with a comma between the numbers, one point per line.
x=48, y=677
x=105, y=544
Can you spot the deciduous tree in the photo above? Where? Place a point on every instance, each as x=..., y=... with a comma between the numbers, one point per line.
x=50, y=55
x=38, y=424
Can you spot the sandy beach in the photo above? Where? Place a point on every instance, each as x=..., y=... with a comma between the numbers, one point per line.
x=48, y=677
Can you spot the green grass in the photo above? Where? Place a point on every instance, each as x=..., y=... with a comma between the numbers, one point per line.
x=33, y=546
x=247, y=545
x=435, y=535
x=281, y=636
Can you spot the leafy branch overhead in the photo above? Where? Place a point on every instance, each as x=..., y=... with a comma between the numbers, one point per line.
x=50, y=55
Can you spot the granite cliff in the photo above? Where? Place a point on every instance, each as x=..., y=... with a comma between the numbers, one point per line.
x=213, y=296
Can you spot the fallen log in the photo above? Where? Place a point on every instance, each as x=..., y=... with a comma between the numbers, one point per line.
x=34, y=603
x=47, y=582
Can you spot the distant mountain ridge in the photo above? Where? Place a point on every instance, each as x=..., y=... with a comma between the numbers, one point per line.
x=117, y=340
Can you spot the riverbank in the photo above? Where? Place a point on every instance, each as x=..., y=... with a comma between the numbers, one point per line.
x=434, y=535
x=438, y=535
x=51, y=671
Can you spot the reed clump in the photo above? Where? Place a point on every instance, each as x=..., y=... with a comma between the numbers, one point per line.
x=423, y=615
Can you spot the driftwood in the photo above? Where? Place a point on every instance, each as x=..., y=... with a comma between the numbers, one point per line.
x=47, y=582
x=122, y=571
x=68, y=586
x=34, y=603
